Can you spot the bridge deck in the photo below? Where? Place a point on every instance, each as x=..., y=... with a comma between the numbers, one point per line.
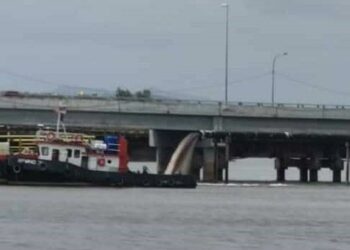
x=178, y=115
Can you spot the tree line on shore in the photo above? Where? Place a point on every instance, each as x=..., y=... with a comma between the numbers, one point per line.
x=141, y=94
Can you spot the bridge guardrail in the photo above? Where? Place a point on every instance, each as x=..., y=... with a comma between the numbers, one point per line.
x=49, y=102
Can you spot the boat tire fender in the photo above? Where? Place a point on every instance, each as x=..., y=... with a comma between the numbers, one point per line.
x=16, y=169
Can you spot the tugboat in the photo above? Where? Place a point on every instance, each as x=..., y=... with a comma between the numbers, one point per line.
x=69, y=159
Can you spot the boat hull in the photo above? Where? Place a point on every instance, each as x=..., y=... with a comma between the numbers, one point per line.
x=17, y=170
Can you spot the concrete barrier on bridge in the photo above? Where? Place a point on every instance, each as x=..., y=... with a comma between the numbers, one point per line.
x=112, y=114
x=211, y=108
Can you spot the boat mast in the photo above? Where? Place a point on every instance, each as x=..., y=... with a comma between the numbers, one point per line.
x=61, y=111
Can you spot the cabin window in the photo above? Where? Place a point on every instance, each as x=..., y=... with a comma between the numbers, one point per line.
x=44, y=151
x=55, y=154
x=76, y=153
x=69, y=153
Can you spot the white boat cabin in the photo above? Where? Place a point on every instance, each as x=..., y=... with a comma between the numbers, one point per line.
x=74, y=149
x=78, y=154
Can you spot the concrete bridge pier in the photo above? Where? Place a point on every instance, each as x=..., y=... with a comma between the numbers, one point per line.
x=336, y=175
x=163, y=155
x=227, y=157
x=209, y=164
x=196, y=173
x=280, y=166
x=221, y=163
x=303, y=170
x=313, y=175
x=304, y=166
x=214, y=160
x=303, y=174
x=223, y=170
x=314, y=168
x=336, y=165
x=220, y=174
x=197, y=163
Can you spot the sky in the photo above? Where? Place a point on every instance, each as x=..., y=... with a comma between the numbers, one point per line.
x=178, y=47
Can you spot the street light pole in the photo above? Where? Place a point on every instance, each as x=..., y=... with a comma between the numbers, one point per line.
x=226, y=6
x=273, y=76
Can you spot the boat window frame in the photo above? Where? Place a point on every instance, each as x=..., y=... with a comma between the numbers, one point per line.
x=56, y=154
x=77, y=153
x=69, y=152
x=44, y=150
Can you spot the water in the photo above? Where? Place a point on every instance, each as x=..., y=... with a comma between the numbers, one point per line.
x=209, y=217
x=235, y=216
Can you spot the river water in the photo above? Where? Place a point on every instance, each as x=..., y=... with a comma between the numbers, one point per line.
x=234, y=216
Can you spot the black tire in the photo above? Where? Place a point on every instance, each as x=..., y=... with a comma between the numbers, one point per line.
x=17, y=169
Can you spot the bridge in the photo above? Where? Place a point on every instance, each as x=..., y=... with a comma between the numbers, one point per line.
x=178, y=115
x=308, y=137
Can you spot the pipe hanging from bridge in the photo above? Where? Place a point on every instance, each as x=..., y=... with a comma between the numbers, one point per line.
x=180, y=161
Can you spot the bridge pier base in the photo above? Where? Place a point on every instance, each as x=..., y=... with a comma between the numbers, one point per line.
x=313, y=175
x=197, y=163
x=221, y=164
x=315, y=165
x=163, y=155
x=280, y=167
x=196, y=173
x=303, y=174
x=336, y=166
x=336, y=175
x=209, y=164
x=281, y=175
x=227, y=157
x=220, y=174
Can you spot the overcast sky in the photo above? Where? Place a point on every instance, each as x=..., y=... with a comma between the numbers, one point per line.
x=178, y=46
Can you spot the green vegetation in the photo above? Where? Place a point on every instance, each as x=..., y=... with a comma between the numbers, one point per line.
x=125, y=93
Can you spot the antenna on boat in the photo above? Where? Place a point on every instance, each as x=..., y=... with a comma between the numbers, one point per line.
x=61, y=111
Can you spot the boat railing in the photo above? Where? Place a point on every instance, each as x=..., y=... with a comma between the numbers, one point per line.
x=47, y=135
x=22, y=142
